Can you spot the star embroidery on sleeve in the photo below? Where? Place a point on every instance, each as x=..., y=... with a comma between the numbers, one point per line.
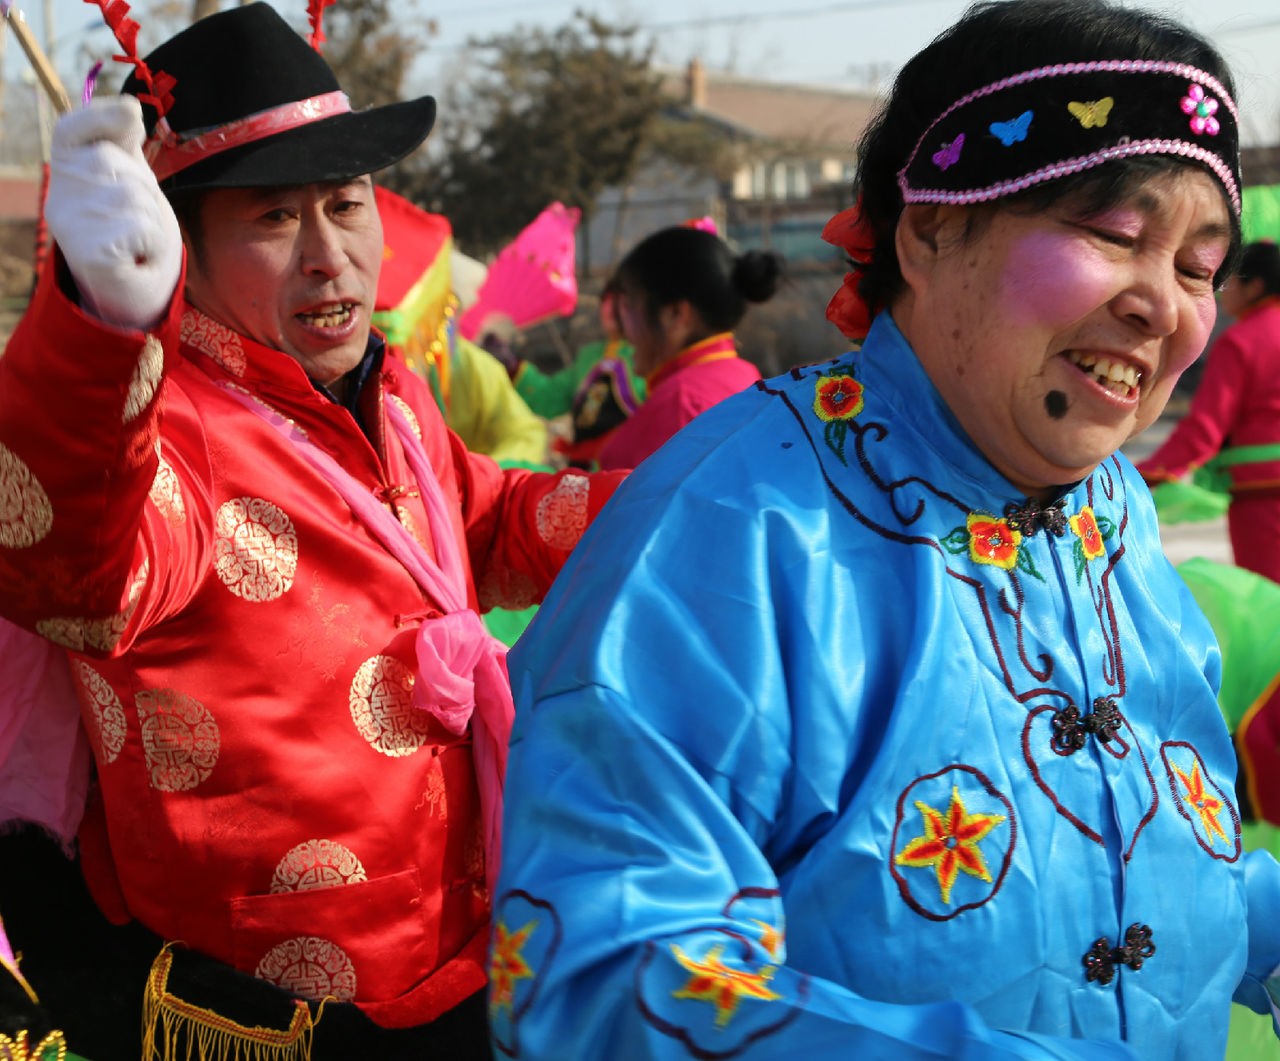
x=950, y=843
x=721, y=985
x=1207, y=806
x=507, y=966
x=770, y=938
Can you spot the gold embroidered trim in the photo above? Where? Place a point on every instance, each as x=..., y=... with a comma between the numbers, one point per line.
x=174, y=1029
x=409, y=414
x=216, y=340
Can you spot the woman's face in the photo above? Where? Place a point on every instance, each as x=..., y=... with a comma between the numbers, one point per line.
x=1053, y=336
x=652, y=341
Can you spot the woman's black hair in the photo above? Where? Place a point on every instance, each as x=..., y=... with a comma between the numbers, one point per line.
x=996, y=39
x=1261, y=261
x=682, y=264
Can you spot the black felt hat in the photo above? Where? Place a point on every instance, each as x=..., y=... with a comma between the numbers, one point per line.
x=246, y=67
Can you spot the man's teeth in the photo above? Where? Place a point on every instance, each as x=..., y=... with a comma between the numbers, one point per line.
x=1116, y=375
x=332, y=319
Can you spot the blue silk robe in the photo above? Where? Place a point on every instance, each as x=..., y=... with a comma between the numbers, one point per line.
x=828, y=746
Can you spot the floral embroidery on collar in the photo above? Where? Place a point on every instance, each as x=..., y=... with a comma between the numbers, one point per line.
x=837, y=399
x=992, y=541
x=1092, y=533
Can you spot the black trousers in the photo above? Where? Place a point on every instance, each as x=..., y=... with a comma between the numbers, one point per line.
x=90, y=975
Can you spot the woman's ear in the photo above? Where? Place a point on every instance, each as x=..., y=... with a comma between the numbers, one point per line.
x=680, y=322
x=925, y=232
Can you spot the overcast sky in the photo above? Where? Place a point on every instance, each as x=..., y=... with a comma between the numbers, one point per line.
x=818, y=41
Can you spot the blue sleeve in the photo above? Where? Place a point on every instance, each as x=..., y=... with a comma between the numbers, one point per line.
x=1260, y=987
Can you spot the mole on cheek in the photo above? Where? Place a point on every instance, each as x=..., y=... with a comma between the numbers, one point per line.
x=1055, y=403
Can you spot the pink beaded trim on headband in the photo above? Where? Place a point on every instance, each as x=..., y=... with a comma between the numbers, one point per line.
x=1124, y=148
x=1075, y=165
x=168, y=158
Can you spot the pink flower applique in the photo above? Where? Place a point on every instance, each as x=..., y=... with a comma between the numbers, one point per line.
x=1202, y=109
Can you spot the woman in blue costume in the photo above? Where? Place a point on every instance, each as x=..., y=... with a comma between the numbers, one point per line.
x=869, y=720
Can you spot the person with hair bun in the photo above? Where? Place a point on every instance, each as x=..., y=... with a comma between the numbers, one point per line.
x=1234, y=417
x=869, y=720
x=681, y=292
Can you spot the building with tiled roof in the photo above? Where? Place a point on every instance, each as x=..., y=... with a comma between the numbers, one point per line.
x=790, y=151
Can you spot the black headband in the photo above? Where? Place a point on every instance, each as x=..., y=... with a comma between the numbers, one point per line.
x=1061, y=119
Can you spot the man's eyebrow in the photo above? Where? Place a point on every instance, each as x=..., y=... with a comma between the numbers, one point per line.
x=272, y=191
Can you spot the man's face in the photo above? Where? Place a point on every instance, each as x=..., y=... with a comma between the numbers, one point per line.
x=293, y=268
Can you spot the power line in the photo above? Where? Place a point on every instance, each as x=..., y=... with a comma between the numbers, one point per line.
x=775, y=16
x=701, y=22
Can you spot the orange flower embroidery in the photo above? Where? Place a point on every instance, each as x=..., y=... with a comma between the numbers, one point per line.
x=722, y=985
x=1085, y=526
x=507, y=966
x=1207, y=806
x=950, y=843
x=992, y=541
x=837, y=398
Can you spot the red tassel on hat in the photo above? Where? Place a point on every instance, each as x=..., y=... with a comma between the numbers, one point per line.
x=315, y=14
x=159, y=92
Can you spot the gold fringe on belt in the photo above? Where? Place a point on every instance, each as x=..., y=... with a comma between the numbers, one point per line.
x=176, y=1030
x=51, y=1048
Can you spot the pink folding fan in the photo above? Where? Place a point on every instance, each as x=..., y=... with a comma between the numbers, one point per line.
x=533, y=278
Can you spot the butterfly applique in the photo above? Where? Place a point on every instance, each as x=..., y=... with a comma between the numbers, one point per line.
x=1093, y=113
x=1014, y=130
x=950, y=153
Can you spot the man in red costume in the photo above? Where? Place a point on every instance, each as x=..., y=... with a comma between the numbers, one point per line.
x=264, y=554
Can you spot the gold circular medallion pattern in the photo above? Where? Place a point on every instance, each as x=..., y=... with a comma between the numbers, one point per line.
x=180, y=739
x=503, y=587
x=101, y=635
x=317, y=864
x=166, y=495
x=146, y=378
x=309, y=966
x=25, y=512
x=562, y=514
x=110, y=724
x=382, y=708
x=255, y=551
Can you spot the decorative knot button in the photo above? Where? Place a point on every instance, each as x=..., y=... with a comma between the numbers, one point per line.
x=1071, y=729
x=1101, y=959
x=1027, y=518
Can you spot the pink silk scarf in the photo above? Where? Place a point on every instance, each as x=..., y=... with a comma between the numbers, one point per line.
x=44, y=753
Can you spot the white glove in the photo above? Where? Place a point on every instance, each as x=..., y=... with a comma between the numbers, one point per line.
x=116, y=230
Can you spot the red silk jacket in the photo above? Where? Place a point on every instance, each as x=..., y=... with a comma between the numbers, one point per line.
x=243, y=648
